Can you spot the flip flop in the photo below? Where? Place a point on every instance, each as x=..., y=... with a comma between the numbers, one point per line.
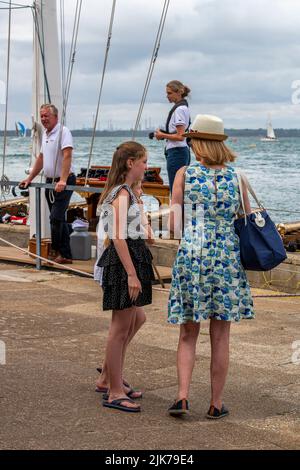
x=99, y=369
x=116, y=404
x=132, y=392
x=129, y=394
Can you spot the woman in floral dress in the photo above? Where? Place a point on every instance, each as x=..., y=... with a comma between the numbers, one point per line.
x=208, y=280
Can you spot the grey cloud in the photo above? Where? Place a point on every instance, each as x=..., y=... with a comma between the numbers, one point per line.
x=230, y=53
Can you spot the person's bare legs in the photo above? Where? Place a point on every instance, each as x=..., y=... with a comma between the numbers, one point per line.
x=186, y=357
x=103, y=379
x=119, y=332
x=219, y=339
x=138, y=319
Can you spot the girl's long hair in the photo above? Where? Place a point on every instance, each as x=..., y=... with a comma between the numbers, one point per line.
x=118, y=171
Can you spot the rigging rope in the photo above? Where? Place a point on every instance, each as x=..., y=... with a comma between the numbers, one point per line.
x=72, y=55
x=101, y=87
x=67, y=86
x=15, y=4
x=4, y=187
x=15, y=8
x=43, y=38
x=283, y=210
x=42, y=50
x=48, y=261
x=279, y=210
x=152, y=64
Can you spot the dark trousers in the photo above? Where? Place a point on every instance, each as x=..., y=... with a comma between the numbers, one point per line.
x=60, y=235
x=177, y=157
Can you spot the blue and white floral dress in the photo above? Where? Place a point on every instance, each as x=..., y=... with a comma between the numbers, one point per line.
x=208, y=279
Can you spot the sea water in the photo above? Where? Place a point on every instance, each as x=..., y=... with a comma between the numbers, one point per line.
x=273, y=168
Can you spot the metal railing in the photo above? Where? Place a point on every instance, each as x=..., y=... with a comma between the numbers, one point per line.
x=38, y=227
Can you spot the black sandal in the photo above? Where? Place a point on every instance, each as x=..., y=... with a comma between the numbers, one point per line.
x=214, y=413
x=179, y=408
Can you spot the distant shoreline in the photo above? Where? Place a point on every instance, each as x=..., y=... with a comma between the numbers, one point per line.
x=144, y=133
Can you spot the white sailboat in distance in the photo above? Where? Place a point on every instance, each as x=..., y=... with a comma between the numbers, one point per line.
x=20, y=129
x=270, y=137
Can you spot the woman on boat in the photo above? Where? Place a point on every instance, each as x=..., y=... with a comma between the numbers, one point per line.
x=127, y=270
x=177, y=149
x=208, y=280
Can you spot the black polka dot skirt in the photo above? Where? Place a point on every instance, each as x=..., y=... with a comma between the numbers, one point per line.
x=115, y=280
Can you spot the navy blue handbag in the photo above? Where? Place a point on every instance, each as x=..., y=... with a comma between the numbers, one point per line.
x=261, y=245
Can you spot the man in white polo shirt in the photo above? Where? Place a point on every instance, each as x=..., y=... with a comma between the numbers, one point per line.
x=55, y=159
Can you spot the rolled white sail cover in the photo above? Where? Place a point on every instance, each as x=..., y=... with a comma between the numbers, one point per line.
x=46, y=78
x=46, y=81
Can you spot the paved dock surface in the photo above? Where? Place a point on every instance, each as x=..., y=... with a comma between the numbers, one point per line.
x=54, y=333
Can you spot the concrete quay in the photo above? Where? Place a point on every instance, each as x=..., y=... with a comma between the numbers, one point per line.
x=54, y=332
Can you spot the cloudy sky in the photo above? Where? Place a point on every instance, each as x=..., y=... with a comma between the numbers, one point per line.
x=239, y=57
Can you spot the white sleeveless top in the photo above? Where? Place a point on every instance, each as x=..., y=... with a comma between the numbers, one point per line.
x=105, y=224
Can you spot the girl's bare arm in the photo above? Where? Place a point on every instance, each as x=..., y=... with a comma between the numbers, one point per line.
x=175, y=220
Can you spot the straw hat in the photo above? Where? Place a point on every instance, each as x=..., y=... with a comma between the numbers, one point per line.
x=207, y=127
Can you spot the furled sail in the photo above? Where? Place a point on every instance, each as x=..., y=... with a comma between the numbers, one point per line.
x=46, y=87
x=46, y=83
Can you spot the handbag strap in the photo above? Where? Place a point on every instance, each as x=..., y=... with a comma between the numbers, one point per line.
x=241, y=196
x=242, y=179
